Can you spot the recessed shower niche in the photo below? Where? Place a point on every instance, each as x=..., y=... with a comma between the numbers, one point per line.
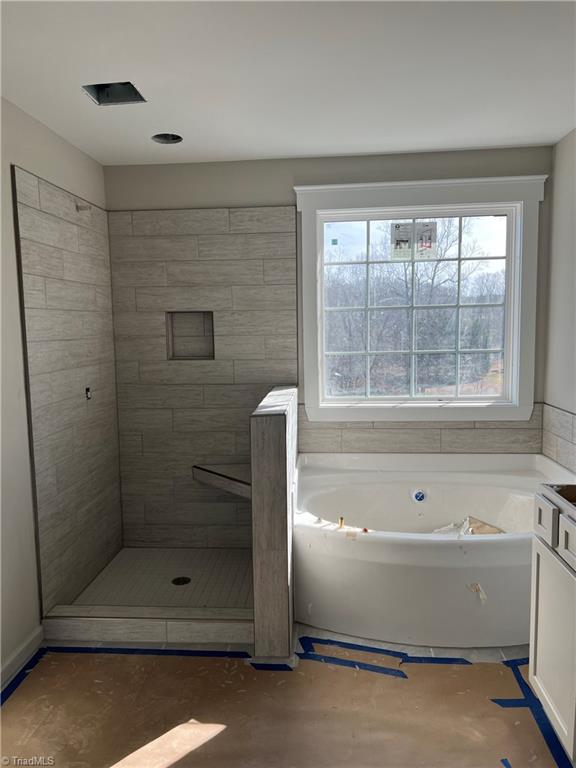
x=190, y=335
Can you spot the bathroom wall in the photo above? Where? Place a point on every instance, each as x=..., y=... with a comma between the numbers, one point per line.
x=162, y=269
x=271, y=182
x=27, y=143
x=559, y=438
x=240, y=264
x=63, y=245
x=423, y=436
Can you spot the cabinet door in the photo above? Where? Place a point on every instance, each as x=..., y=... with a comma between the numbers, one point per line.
x=553, y=641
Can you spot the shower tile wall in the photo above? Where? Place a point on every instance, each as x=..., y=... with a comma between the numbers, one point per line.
x=239, y=264
x=65, y=266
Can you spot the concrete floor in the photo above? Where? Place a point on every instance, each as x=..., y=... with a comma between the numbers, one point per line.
x=347, y=708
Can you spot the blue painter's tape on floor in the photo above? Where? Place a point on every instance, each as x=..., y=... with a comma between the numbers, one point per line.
x=18, y=678
x=149, y=651
x=531, y=702
x=9, y=689
x=528, y=700
x=308, y=644
x=511, y=703
x=435, y=660
x=337, y=661
x=309, y=647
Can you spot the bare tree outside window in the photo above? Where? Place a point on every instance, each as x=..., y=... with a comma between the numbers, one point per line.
x=414, y=308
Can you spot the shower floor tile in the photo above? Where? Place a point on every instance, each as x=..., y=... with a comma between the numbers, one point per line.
x=219, y=578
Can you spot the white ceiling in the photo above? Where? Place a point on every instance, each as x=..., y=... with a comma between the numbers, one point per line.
x=268, y=80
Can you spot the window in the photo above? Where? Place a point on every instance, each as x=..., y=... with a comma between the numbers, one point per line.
x=419, y=307
x=414, y=307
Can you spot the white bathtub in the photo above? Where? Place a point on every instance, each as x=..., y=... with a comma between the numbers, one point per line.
x=400, y=582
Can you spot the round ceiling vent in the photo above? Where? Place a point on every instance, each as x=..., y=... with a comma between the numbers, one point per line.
x=167, y=138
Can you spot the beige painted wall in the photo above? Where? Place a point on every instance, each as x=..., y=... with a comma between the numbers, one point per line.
x=271, y=182
x=29, y=144
x=560, y=380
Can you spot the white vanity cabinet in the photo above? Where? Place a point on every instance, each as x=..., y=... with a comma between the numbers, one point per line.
x=553, y=619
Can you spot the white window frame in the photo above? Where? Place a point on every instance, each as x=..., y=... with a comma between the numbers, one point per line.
x=516, y=197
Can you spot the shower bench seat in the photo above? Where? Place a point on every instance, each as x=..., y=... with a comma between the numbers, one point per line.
x=235, y=478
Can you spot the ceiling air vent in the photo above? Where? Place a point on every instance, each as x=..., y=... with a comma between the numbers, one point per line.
x=167, y=138
x=109, y=94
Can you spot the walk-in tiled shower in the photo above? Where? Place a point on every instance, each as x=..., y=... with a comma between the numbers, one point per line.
x=148, y=347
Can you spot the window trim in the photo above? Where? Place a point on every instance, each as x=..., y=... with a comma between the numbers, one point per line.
x=519, y=197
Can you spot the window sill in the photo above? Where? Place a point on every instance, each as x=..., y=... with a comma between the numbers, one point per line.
x=362, y=411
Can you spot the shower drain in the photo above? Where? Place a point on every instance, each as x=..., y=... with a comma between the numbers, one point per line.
x=179, y=580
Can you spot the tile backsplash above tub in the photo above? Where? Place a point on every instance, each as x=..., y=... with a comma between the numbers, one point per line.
x=559, y=436
x=421, y=437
